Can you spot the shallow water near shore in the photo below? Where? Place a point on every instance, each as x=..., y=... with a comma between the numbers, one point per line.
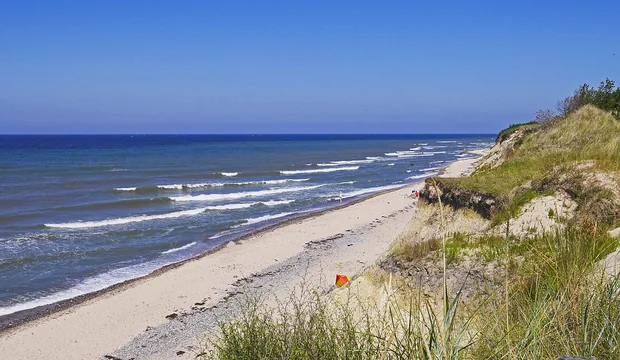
x=80, y=213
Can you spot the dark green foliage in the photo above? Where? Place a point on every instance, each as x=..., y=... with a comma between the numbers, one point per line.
x=606, y=97
x=505, y=134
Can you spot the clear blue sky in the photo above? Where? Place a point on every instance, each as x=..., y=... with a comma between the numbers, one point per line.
x=119, y=66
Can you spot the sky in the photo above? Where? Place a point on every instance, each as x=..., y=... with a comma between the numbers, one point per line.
x=210, y=67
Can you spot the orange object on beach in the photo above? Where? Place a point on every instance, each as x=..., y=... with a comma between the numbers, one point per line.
x=341, y=280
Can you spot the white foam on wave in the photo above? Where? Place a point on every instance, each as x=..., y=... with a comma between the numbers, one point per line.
x=264, y=218
x=326, y=164
x=229, y=174
x=437, y=162
x=89, y=285
x=241, y=195
x=126, y=220
x=425, y=175
x=391, y=164
x=434, y=147
x=352, y=162
x=364, y=191
x=172, y=215
x=415, y=148
x=247, y=205
x=424, y=154
x=430, y=168
x=173, y=250
x=446, y=141
x=313, y=171
x=211, y=185
x=374, y=158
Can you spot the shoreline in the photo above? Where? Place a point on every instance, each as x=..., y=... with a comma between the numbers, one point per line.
x=28, y=328
x=16, y=319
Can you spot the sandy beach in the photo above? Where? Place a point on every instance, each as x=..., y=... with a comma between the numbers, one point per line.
x=165, y=316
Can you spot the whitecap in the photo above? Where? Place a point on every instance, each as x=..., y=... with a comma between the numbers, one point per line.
x=173, y=250
x=264, y=218
x=425, y=175
x=365, y=191
x=229, y=174
x=240, y=195
x=126, y=220
x=313, y=171
x=212, y=185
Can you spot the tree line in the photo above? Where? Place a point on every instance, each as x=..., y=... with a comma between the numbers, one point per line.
x=605, y=97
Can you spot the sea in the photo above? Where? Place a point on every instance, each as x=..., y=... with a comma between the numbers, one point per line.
x=80, y=213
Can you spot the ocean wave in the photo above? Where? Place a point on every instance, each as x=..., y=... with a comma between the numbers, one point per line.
x=125, y=220
x=93, y=284
x=415, y=148
x=229, y=174
x=210, y=185
x=364, y=191
x=437, y=162
x=430, y=168
x=247, y=205
x=421, y=176
x=374, y=158
x=240, y=195
x=351, y=162
x=391, y=164
x=127, y=203
x=434, y=147
x=446, y=141
x=265, y=218
x=313, y=171
x=172, y=215
x=173, y=250
x=396, y=153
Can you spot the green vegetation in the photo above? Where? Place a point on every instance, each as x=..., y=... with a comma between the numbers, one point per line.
x=606, y=97
x=552, y=300
x=547, y=156
x=505, y=134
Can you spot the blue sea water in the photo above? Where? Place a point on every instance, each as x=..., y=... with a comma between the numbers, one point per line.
x=80, y=213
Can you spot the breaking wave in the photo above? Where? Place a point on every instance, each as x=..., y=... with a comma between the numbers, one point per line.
x=314, y=171
x=241, y=195
x=178, y=249
x=210, y=185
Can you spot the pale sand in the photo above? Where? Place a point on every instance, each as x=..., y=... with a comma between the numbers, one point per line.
x=99, y=326
x=464, y=167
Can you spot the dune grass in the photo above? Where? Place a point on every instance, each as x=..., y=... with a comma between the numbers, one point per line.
x=555, y=151
x=554, y=302
x=556, y=305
